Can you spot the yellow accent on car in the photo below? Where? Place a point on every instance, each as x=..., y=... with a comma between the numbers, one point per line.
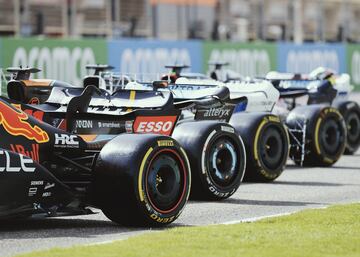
x=165, y=143
x=274, y=118
x=142, y=166
x=317, y=127
x=256, y=154
x=131, y=98
x=88, y=137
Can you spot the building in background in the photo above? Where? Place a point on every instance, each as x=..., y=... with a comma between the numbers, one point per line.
x=234, y=20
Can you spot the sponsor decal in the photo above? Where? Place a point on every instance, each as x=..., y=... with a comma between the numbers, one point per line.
x=49, y=185
x=66, y=141
x=306, y=57
x=39, y=115
x=217, y=112
x=274, y=119
x=248, y=62
x=15, y=164
x=160, y=219
x=147, y=60
x=300, y=83
x=99, y=127
x=155, y=124
x=37, y=183
x=32, y=191
x=46, y=194
x=228, y=129
x=129, y=126
x=33, y=153
x=15, y=123
x=304, y=61
x=110, y=124
x=222, y=113
x=59, y=62
x=84, y=124
x=165, y=143
x=150, y=56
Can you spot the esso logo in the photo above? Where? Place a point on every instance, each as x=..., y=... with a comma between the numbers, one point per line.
x=158, y=125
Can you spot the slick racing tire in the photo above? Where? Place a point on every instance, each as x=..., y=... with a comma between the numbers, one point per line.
x=142, y=180
x=325, y=135
x=266, y=142
x=351, y=112
x=217, y=158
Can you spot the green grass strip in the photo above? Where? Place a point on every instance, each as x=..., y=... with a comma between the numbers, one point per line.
x=334, y=231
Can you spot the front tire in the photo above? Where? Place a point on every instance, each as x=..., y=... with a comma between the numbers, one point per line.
x=142, y=180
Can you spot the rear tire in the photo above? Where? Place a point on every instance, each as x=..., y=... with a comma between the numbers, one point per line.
x=142, y=180
x=217, y=158
x=351, y=112
x=266, y=142
x=325, y=135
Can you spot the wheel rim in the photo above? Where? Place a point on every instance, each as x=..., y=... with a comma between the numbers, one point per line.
x=353, y=127
x=272, y=148
x=223, y=162
x=165, y=181
x=330, y=137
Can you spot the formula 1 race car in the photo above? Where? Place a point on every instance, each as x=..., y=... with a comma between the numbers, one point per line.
x=135, y=179
x=265, y=137
x=321, y=86
x=216, y=153
x=317, y=132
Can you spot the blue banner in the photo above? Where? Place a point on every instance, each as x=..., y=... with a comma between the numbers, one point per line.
x=308, y=56
x=150, y=56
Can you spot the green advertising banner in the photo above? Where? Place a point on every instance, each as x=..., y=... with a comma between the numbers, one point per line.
x=248, y=59
x=58, y=59
x=353, y=64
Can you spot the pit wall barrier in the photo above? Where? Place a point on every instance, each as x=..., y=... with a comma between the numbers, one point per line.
x=66, y=59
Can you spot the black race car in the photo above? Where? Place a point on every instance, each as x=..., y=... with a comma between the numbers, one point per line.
x=135, y=179
x=265, y=137
x=216, y=153
x=322, y=86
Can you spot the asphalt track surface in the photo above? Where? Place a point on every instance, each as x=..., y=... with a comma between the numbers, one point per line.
x=296, y=189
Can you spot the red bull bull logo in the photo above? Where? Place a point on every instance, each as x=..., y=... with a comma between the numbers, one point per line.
x=15, y=123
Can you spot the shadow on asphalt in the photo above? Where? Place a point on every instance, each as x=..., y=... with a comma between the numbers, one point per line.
x=60, y=227
x=296, y=167
x=345, y=168
x=308, y=183
x=258, y=202
x=299, y=168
